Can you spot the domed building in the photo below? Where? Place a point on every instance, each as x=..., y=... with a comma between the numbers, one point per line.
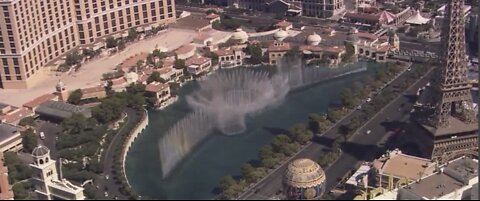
x=280, y=35
x=304, y=180
x=240, y=36
x=314, y=39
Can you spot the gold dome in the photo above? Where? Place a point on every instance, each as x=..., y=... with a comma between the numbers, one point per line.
x=304, y=173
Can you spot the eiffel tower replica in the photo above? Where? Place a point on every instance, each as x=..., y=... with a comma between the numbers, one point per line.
x=446, y=110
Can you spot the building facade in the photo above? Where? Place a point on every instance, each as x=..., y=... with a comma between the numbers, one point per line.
x=34, y=33
x=10, y=138
x=48, y=184
x=6, y=192
x=311, y=8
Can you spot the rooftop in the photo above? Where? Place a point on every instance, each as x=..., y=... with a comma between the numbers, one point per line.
x=39, y=100
x=400, y=165
x=278, y=47
x=3, y=106
x=132, y=61
x=197, y=60
x=456, y=126
x=283, y=24
x=93, y=89
x=194, y=21
x=8, y=131
x=441, y=184
x=61, y=110
x=184, y=49
x=156, y=87
x=15, y=116
x=224, y=52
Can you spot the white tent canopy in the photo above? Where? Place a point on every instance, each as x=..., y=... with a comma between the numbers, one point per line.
x=417, y=19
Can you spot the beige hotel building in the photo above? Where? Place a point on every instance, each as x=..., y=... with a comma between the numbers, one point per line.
x=35, y=32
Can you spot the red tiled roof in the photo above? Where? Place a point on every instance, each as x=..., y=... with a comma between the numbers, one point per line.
x=364, y=16
x=212, y=16
x=132, y=61
x=39, y=100
x=168, y=63
x=202, y=37
x=15, y=116
x=164, y=70
x=185, y=49
x=366, y=35
x=198, y=60
x=93, y=89
x=279, y=48
x=118, y=81
x=315, y=48
x=283, y=23
x=224, y=52
x=143, y=78
x=156, y=87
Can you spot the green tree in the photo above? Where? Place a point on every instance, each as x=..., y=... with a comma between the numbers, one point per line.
x=88, y=53
x=17, y=169
x=266, y=152
x=313, y=121
x=211, y=11
x=334, y=114
x=27, y=121
x=132, y=34
x=255, y=52
x=121, y=45
x=179, y=64
x=154, y=77
x=29, y=140
x=73, y=58
x=111, y=42
x=159, y=54
x=75, y=97
x=249, y=173
x=292, y=54
x=282, y=144
x=213, y=56
x=347, y=98
x=227, y=182
x=299, y=133
x=75, y=124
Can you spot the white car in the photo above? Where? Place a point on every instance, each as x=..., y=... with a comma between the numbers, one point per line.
x=368, y=132
x=369, y=99
x=42, y=135
x=409, y=69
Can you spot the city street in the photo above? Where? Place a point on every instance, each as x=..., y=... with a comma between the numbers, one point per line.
x=361, y=147
x=107, y=183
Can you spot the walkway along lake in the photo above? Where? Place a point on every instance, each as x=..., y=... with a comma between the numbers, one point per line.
x=200, y=173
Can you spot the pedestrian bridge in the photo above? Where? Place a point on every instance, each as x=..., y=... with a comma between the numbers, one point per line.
x=414, y=56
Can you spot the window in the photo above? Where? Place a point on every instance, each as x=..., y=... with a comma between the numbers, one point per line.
x=15, y=61
x=8, y=78
x=19, y=77
x=17, y=70
x=6, y=70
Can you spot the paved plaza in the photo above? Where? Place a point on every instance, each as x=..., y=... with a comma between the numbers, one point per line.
x=91, y=72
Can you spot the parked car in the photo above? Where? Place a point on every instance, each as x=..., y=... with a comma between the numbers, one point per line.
x=368, y=132
x=42, y=135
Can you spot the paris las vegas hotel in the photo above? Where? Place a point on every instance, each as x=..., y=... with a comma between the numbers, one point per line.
x=35, y=32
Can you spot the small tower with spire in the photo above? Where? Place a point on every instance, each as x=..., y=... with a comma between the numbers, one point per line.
x=44, y=171
x=393, y=39
x=61, y=91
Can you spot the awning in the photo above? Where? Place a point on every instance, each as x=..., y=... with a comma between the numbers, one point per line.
x=125, y=34
x=139, y=29
x=417, y=19
x=307, y=52
x=117, y=36
x=98, y=46
x=147, y=28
